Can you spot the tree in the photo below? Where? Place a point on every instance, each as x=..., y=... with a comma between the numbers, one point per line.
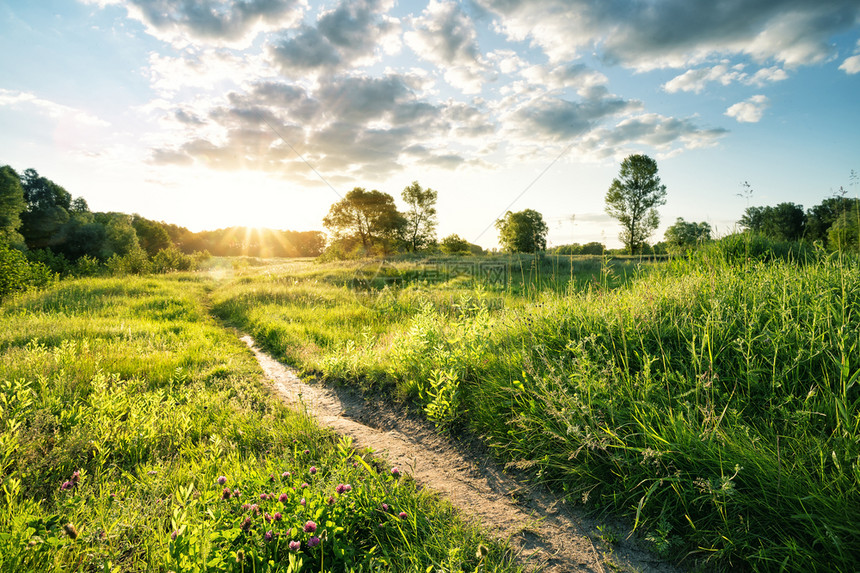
x=455, y=245
x=685, y=235
x=47, y=210
x=420, y=228
x=152, y=236
x=11, y=204
x=522, y=232
x=632, y=199
x=785, y=222
x=368, y=217
x=844, y=234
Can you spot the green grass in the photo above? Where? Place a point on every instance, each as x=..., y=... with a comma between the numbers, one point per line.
x=714, y=401
x=122, y=402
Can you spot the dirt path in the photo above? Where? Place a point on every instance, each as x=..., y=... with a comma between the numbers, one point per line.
x=546, y=534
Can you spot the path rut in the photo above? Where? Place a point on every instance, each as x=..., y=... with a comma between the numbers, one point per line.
x=546, y=533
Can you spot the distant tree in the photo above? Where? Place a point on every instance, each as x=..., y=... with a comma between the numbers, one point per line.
x=366, y=217
x=420, y=228
x=684, y=235
x=152, y=236
x=522, y=232
x=784, y=222
x=120, y=236
x=633, y=198
x=820, y=218
x=12, y=204
x=455, y=245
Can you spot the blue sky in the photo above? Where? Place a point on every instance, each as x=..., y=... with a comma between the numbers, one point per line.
x=213, y=113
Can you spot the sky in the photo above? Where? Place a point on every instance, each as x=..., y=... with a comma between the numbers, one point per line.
x=214, y=113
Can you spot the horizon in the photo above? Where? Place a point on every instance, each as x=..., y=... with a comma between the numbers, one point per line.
x=264, y=114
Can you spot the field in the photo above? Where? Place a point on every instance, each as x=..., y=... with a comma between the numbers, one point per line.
x=712, y=401
x=136, y=435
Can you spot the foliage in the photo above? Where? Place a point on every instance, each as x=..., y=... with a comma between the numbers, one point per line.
x=367, y=218
x=47, y=209
x=633, y=198
x=420, y=228
x=522, y=232
x=683, y=236
x=784, y=222
x=454, y=244
x=592, y=248
x=11, y=204
x=18, y=274
x=844, y=233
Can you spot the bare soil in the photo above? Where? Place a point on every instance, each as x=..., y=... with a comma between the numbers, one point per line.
x=546, y=533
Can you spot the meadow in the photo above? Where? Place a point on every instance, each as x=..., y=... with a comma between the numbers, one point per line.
x=713, y=400
x=136, y=434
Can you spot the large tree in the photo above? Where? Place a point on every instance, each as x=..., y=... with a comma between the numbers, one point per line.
x=633, y=199
x=522, y=232
x=47, y=210
x=367, y=217
x=420, y=228
x=11, y=204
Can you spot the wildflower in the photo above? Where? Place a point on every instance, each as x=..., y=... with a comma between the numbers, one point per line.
x=67, y=485
x=271, y=477
x=313, y=541
x=76, y=475
x=310, y=527
x=268, y=536
x=236, y=492
x=152, y=472
x=174, y=535
x=295, y=545
x=285, y=475
x=226, y=493
x=302, y=502
x=384, y=507
x=330, y=500
x=403, y=515
x=70, y=530
x=306, y=452
x=395, y=472
x=304, y=485
x=283, y=498
x=278, y=516
x=268, y=518
x=340, y=488
x=347, y=487
x=313, y=470
x=222, y=480
x=264, y=497
x=246, y=506
x=246, y=524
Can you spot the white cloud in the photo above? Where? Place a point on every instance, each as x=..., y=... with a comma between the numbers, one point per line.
x=446, y=36
x=697, y=80
x=51, y=109
x=749, y=111
x=851, y=65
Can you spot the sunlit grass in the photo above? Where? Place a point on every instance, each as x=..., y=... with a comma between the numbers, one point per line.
x=122, y=403
x=716, y=403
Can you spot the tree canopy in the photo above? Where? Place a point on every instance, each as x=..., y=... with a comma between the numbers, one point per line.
x=368, y=218
x=683, y=235
x=633, y=198
x=12, y=204
x=522, y=232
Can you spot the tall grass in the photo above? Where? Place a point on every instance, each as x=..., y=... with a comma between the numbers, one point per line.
x=714, y=401
x=135, y=435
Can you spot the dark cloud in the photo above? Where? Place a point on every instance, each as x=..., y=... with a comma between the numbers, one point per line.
x=341, y=37
x=561, y=119
x=675, y=33
x=213, y=20
x=662, y=133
